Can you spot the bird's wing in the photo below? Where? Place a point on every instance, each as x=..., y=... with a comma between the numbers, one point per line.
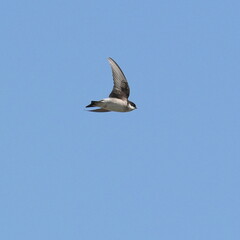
x=120, y=89
x=99, y=110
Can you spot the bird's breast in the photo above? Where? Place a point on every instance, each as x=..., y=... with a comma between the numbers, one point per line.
x=115, y=104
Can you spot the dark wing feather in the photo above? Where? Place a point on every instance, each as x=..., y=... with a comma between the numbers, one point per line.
x=99, y=110
x=120, y=89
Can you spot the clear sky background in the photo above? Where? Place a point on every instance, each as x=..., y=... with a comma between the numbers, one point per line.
x=168, y=170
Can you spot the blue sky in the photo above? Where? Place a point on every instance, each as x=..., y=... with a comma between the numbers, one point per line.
x=168, y=170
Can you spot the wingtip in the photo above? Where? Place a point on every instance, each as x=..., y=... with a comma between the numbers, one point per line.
x=112, y=62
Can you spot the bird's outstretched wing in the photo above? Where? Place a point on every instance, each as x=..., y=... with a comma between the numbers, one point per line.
x=120, y=89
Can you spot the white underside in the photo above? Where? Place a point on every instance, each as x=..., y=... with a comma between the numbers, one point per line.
x=114, y=104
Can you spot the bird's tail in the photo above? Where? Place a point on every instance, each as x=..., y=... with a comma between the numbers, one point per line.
x=93, y=104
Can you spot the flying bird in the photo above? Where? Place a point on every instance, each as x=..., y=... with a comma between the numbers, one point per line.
x=118, y=98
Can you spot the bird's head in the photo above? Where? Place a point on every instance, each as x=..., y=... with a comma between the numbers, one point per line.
x=132, y=105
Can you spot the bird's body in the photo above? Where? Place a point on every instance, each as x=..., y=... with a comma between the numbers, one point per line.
x=112, y=104
x=118, y=98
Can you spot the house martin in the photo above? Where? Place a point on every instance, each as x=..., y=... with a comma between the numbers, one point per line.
x=118, y=98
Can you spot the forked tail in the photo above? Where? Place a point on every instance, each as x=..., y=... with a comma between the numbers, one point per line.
x=92, y=104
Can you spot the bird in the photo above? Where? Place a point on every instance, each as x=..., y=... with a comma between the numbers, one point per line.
x=118, y=98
